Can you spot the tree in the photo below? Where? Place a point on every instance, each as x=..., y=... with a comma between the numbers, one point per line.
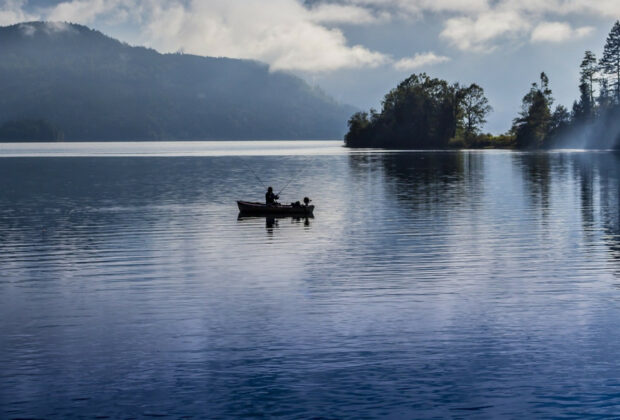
x=610, y=63
x=474, y=109
x=420, y=113
x=604, y=97
x=589, y=68
x=583, y=109
x=532, y=128
x=560, y=121
x=358, y=124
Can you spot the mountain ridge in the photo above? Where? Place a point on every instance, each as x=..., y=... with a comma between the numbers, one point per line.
x=95, y=88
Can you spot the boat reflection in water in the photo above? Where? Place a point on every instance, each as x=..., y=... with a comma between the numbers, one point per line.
x=271, y=213
x=272, y=221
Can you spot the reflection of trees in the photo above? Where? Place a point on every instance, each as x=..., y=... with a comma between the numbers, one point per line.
x=599, y=174
x=597, y=177
x=424, y=179
x=536, y=170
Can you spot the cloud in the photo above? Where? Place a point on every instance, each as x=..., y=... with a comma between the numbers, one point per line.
x=558, y=32
x=483, y=25
x=282, y=33
x=347, y=14
x=89, y=11
x=480, y=34
x=420, y=60
x=12, y=11
x=417, y=8
x=49, y=28
x=306, y=35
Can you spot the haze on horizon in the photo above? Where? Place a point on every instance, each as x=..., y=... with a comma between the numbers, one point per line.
x=356, y=50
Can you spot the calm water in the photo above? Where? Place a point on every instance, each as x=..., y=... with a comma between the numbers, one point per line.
x=454, y=284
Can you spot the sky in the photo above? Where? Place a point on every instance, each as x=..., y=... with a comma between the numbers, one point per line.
x=357, y=50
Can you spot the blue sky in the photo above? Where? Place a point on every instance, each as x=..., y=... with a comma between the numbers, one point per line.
x=357, y=50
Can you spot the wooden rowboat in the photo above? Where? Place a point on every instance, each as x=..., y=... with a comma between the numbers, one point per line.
x=247, y=207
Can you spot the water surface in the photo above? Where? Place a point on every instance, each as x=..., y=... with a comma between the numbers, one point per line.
x=429, y=284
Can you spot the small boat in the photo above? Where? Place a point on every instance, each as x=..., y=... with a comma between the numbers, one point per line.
x=247, y=207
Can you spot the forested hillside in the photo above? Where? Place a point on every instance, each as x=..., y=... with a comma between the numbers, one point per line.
x=90, y=87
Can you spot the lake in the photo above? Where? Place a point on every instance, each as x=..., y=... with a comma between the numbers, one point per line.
x=428, y=284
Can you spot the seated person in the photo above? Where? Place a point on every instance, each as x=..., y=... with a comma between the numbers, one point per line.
x=270, y=197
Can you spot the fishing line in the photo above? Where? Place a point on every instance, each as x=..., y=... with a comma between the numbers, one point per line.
x=296, y=175
x=255, y=175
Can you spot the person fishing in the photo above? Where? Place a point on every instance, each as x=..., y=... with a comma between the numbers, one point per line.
x=270, y=197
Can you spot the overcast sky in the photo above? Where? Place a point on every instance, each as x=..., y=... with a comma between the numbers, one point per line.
x=357, y=50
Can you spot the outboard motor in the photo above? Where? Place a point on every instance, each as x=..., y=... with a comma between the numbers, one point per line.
x=307, y=201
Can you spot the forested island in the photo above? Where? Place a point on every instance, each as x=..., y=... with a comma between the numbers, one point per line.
x=429, y=113
x=67, y=81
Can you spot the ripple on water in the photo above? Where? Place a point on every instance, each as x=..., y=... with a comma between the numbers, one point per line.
x=467, y=284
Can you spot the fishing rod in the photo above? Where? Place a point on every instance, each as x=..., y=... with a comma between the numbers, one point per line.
x=255, y=175
x=295, y=176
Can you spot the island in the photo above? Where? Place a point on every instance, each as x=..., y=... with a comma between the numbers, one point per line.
x=429, y=113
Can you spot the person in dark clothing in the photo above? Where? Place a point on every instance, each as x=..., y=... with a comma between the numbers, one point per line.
x=270, y=197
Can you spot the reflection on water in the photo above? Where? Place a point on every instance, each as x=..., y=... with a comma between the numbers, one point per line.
x=446, y=284
x=273, y=221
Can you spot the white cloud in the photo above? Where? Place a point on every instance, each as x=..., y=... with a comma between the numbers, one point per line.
x=479, y=34
x=483, y=25
x=12, y=11
x=49, y=28
x=558, y=32
x=282, y=33
x=349, y=14
x=594, y=8
x=290, y=36
x=416, y=8
x=420, y=60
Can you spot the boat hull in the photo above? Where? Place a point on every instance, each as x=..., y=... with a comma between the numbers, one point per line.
x=247, y=207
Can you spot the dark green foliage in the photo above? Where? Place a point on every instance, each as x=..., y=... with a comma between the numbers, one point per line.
x=604, y=100
x=359, y=132
x=484, y=141
x=532, y=126
x=589, y=69
x=421, y=113
x=96, y=88
x=583, y=110
x=560, y=122
x=29, y=130
x=429, y=113
x=586, y=107
x=474, y=109
x=610, y=63
x=595, y=119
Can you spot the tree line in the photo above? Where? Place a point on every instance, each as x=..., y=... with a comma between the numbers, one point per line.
x=427, y=113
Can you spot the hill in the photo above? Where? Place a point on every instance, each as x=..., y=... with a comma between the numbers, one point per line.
x=92, y=87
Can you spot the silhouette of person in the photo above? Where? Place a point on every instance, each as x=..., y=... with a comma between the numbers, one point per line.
x=270, y=197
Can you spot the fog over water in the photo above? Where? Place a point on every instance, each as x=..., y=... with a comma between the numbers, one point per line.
x=449, y=284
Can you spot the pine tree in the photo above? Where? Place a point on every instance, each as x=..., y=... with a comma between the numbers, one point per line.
x=589, y=68
x=610, y=63
x=604, y=97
